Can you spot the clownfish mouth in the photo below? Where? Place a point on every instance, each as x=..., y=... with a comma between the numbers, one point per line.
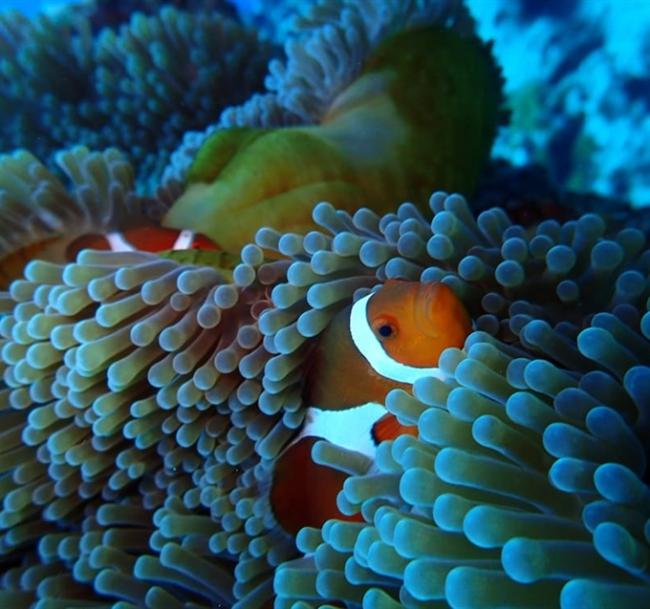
x=374, y=353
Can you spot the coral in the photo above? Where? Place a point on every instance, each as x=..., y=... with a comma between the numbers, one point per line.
x=580, y=103
x=124, y=88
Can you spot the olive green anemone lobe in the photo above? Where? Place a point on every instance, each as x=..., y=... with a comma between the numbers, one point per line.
x=424, y=111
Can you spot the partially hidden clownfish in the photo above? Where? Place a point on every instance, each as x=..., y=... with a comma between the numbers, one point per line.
x=384, y=341
x=146, y=238
x=143, y=238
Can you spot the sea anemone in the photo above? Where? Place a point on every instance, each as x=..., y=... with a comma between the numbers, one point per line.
x=132, y=426
x=147, y=401
x=64, y=86
x=121, y=373
x=146, y=398
x=526, y=482
x=326, y=50
x=386, y=104
x=41, y=216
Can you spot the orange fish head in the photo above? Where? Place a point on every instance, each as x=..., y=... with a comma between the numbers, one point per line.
x=415, y=322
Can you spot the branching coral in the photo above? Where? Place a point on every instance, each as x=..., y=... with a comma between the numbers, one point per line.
x=127, y=88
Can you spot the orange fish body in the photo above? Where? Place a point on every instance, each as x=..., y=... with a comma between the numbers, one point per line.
x=143, y=238
x=13, y=264
x=303, y=493
x=384, y=341
x=337, y=375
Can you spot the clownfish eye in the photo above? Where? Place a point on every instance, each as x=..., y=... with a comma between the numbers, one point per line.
x=385, y=329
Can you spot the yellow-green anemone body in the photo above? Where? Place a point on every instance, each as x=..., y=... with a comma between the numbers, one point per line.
x=424, y=111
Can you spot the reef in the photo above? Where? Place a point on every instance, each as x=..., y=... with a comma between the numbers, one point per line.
x=579, y=103
x=145, y=398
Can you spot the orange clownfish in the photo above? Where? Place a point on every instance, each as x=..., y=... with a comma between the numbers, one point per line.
x=142, y=238
x=384, y=341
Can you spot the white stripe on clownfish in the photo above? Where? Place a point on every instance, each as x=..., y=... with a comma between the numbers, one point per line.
x=184, y=240
x=385, y=341
x=350, y=428
x=371, y=349
x=118, y=242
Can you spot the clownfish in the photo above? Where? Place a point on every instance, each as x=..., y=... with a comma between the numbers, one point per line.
x=152, y=239
x=384, y=341
x=143, y=238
